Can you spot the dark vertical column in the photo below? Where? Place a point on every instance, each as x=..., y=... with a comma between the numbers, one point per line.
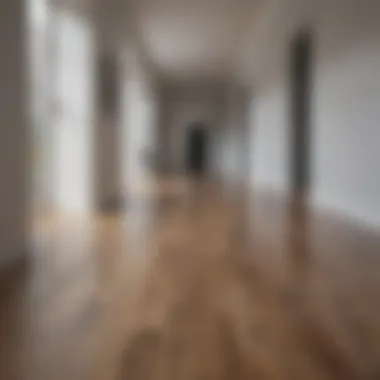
x=300, y=99
x=15, y=155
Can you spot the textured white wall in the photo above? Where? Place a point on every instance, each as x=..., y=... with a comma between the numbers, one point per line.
x=139, y=121
x=269, y=112
x=235, y=147
x=345, y=101
x=347, y=110
x=74, y=124
x=122, y=138
x=14, y=134
x=270, y=144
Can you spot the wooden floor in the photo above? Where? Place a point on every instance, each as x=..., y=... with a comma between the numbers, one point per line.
x=195, y=283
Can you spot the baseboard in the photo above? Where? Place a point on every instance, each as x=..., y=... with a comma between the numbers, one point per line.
x=329, y=205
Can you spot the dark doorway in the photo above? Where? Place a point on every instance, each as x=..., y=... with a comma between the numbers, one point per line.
x=301, y=56
x=196, y=150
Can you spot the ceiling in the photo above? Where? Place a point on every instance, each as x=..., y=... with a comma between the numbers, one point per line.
x=194, y=38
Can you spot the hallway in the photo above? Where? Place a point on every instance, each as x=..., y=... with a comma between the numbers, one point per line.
x=195, y=282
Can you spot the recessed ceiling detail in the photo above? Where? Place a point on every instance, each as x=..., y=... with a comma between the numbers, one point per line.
x=187, y=38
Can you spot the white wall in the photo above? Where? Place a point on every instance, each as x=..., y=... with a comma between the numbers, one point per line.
x=14, y=155
x=346, y=146
x=139, y=121
x=74, y=117
x=345, y=101
x=112, y=34
x=233, y=148
x=270, y=144
x=227, y=148
x=265, y=67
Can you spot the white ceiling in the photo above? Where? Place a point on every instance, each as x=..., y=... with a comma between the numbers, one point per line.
x=194, y=38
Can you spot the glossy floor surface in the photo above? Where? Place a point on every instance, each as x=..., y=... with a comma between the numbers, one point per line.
x=196, y=283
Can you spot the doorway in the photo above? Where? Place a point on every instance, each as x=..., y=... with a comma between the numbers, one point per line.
x=301, y=60
x=196, y=150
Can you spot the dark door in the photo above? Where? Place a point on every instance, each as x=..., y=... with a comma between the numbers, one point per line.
x=196, y=150
x=300, y=99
